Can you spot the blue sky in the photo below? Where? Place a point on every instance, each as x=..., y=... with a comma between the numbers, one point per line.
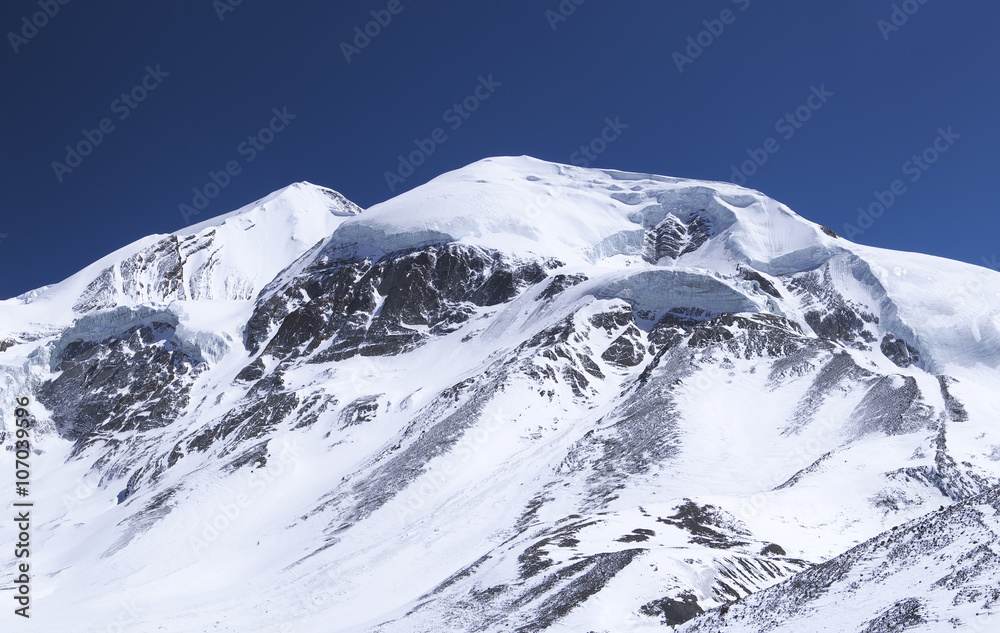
x=829, y=102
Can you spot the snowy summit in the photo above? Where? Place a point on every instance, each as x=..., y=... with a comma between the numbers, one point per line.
x=522, y=397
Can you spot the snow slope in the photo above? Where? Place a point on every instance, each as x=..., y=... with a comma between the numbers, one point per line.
x=522, y=397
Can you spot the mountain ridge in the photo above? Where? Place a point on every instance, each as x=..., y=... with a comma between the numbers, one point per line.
x=465, y=409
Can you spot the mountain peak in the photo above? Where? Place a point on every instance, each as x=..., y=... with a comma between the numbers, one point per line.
x=294, y=202
x=524, y=205
x=228, y=257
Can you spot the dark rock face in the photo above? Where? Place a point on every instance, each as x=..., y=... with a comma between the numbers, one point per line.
x=892, y=408
x=765, y=285
x=244, y=429
x=901, y=616
x=950, y=547
x=773, y=550
x=832, y=317
x=762, y=335
x=841, y=325
x=267, y=407
x=624, y=351
x=827, y=230
x=708, y=525
x=956, y=482
x=129, y=488
x=956, y=410
x=98, y=294
x=638, y=535
x=560, y=283
x=252, y=372
x=627, y=350
x=673, y=611
x=352, y=306
x=613, y=320
x=669, y=331
x=135, y=381
x=673, y=238
x=766, y=335
x=589, y=576
x=899, y=351
x=359, y=411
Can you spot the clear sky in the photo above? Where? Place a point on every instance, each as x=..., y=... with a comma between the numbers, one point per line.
x=837, y=100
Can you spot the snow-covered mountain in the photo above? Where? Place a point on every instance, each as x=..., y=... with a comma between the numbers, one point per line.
x=522, y=397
